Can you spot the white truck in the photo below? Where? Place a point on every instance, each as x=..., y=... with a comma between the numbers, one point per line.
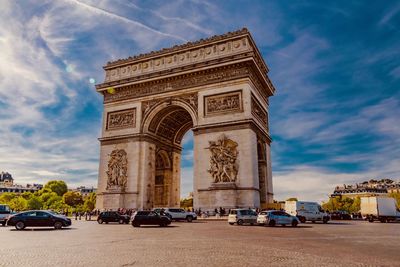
x=4, y=214
x=379, y=208
x=306, y=211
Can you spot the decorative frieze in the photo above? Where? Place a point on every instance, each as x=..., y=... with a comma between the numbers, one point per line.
x=218, y=75
x=223, y=166
x=223, y=103
x=259, y=112
x=121, y=119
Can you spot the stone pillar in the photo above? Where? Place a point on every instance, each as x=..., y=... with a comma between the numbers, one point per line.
x=176, y=180
x=270, y=194
x=146, y=179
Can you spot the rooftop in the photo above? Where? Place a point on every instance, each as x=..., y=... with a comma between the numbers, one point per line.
x=178, y=47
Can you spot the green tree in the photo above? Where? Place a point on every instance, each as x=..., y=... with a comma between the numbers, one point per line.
x=292, y=199
x=35, y=203
x=57, y=186
x=26, y=195
x=90, y=202
x=18, y=204
x=342, y=203
x=72, y=198
x=187, y=203
x=396, y=196
x=5, y=198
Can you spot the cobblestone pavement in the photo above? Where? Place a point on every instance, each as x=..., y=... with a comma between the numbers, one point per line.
x=203, y=243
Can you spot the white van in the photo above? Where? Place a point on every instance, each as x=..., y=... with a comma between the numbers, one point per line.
x=306, y=211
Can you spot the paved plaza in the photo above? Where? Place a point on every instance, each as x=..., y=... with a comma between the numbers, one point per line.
x=203, y=243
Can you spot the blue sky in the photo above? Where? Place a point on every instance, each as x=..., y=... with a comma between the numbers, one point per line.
x=335, y=65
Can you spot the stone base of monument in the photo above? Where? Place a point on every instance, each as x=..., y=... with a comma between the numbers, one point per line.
x=113, y=200
x=223, y=186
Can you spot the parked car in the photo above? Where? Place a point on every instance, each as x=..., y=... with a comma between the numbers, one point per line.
x=162, y=211
x=38, y=218
x=340, y=215
x=149, y=218
x=4, y=214
x=177, y=214
x=242, y=216
x=276, y=217
x=112, y=216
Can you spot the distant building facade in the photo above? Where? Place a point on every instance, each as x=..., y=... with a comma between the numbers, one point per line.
x=372, y=187
x=7, y=185
x=6, y=179
x=85, y=191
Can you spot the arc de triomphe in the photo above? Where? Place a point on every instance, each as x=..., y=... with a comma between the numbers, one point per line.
x=219, y=88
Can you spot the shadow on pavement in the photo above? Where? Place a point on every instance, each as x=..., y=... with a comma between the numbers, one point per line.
x=155, y=226
x=43, y=229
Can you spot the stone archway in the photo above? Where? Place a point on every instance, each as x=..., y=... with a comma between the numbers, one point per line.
x=219, y=88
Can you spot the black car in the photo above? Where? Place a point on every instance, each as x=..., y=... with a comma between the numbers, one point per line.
x=112, y=216
x=38, y=218
x=150, y=218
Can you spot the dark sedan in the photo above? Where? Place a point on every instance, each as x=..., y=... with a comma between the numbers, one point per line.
x=112, y=216
x=149, y=218
x=38, y=218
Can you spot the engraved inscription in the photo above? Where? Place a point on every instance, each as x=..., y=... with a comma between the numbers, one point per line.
x=121, y=119
x=223, y=103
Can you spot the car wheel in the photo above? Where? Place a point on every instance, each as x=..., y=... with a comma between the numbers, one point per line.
x=136, y=225
x=302, y=220
x=58, y=225
x=189, y=218
x=121, y=221
x=3, y=223
x=271, y=223
x=231, y=223
x=313, y=221
x=240, y=222
x=106, y=222
x=20, y=225
x=100, y=221
x=325, y=220
x=294, y=223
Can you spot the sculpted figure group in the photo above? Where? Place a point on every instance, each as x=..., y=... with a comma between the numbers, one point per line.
x=117, y=169
x=223, y=166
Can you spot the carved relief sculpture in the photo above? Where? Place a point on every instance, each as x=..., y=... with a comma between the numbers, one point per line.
x=117, y=170
x=259, y=112
x=222, y=103
x=121, y=119
x=223, y=166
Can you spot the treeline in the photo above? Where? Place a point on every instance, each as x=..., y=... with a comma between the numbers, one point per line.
x=351, y=205
x=54, y=196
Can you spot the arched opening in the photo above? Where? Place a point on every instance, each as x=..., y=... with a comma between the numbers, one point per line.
x=168, y=124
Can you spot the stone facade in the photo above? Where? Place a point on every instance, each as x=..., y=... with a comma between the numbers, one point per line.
x=219, y=88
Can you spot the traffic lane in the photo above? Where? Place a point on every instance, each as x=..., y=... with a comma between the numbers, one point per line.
x=214, y=243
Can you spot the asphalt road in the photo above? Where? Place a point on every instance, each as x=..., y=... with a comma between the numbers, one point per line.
x=203, y=243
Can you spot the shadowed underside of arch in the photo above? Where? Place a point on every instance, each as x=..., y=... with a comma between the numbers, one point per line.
x=171, y=123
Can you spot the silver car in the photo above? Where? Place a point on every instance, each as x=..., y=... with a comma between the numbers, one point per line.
x=275, y=217
x=241, y=216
